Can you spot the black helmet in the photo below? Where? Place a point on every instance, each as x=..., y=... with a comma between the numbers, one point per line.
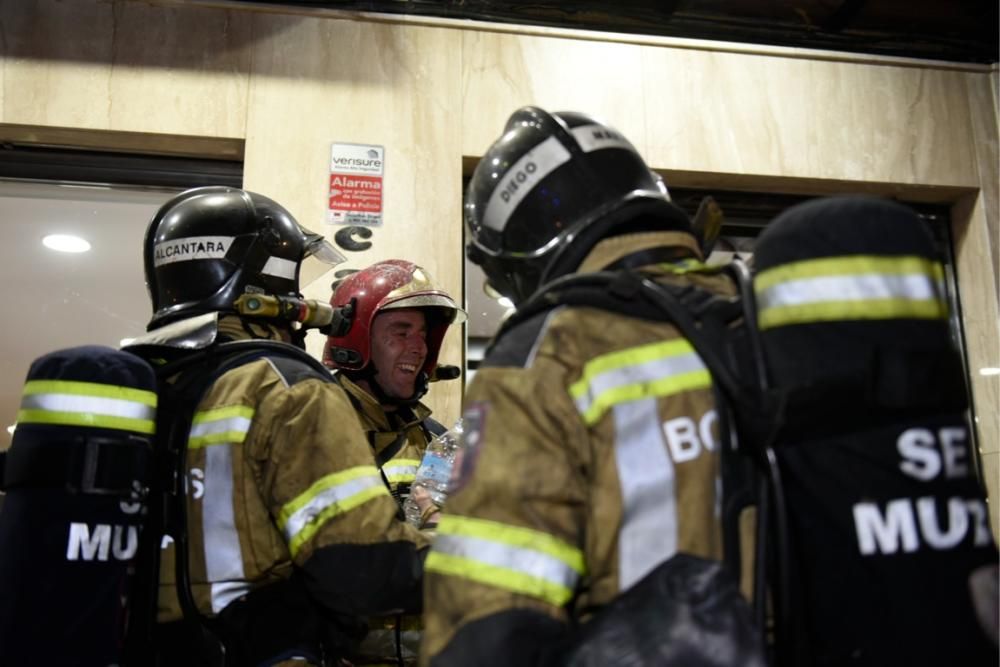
x=207, y=246
x=549, y=189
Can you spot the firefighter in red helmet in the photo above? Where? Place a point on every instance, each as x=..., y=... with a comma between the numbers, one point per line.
x=394, y=318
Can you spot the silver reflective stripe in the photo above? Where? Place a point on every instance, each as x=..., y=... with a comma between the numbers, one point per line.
x=218, y=431
x=281, y=268
x=597, y=137
x=640, y=373
x=223, y=556
x=649, y=506
x=109, y=407
x=226, y=591
x=534, y=564
x=520, y=179
x=849, y=288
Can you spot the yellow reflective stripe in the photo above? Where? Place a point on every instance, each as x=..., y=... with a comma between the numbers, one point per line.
x=683, y=266
x=56, y=418
x=516, y=536
x=228, y=425
x=648, y=371
x=846, y=266
x=497, y=577
x=90, y=404
x=401, y=470
x=328, y=497
x=830, y=311
x=513, y=558
x=90, y=389
x=850, y=288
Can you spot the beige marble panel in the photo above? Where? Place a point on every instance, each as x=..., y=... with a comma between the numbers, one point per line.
x=991, y=473
x=53, y=75
x=982, y=93
x=317, y=81
x=180, y=70
x=979, y=312
x=503, y=72
x=126, y=66
x=737, y=113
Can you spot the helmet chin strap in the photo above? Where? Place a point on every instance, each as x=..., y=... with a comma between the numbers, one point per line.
x=370, y=374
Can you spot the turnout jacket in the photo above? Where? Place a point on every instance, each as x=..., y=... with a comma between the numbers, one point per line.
x=591, y=457
x=385, y=428
x=384, y=431
x=281, y=478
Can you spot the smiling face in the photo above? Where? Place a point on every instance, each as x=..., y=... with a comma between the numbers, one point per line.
x=399, y=348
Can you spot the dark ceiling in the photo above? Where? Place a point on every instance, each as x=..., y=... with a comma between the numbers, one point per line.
x=951, y=30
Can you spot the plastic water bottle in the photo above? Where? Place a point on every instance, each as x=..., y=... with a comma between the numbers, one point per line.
x=435, y=471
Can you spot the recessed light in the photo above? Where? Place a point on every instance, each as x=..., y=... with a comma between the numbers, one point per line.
x=65, y=243
x=11, y=428
x=989, y=371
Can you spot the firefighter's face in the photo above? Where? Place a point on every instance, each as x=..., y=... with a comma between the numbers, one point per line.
x=399, y=348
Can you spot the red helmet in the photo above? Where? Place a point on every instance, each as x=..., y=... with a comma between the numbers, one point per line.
x=394, y=283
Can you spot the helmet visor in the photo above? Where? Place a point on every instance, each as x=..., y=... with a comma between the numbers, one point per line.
x=317, y=246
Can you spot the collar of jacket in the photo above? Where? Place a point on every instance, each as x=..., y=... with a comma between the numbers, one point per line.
x=374, y=413
x=610, y=250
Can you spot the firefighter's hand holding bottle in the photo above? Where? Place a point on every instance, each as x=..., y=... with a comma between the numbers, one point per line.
x=433, y=478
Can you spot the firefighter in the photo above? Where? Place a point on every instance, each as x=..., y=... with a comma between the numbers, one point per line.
x=592, y=437
x=394, y=321
x=293, y=535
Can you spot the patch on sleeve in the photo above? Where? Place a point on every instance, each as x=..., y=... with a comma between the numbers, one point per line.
x=473, y=421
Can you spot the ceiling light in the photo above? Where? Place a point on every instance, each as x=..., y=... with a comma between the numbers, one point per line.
x=505, y=302
x=65, y=243
x=989, y=371
x=10, y=429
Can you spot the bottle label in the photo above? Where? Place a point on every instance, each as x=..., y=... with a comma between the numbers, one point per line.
x=434, y=469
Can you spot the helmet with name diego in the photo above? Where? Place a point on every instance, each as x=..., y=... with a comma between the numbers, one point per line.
x=393, y=283
x=550, y=188
x=207, y=246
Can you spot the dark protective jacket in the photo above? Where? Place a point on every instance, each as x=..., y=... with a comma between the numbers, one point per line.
x=281, y=479
x=592, y=457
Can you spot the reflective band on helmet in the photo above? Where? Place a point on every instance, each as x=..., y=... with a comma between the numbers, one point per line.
x=328, y=497
x=520, y=179
x=401, y=470
x=850, y=288
x=221, y=426
x=70, y=403
x=189, y=249
x=519, y=560
x=279, y=268
x=218, y=431
x=597, y=137
x=659, y=369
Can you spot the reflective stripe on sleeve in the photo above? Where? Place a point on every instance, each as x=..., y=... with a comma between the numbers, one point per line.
x=401, y=470
x=860, y=287
x=328, y=497
x=71, y=403
x=647, y=371
x=220, y=426
x=217, y=432
x=516, y=559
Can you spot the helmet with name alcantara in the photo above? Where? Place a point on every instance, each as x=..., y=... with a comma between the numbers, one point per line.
x=393, y=283
x=207, y=246
x=551, y=187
